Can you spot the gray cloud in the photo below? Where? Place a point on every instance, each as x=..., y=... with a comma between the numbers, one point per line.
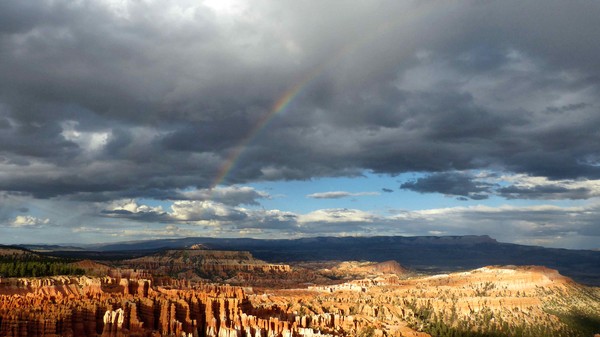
x=339, y=194
x=545, y=192
x=103, y=101
x=467, y=186
x=451, y=183
x=151, y=216
x=174, y=93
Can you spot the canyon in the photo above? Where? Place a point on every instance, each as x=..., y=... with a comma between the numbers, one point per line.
x=200, y=292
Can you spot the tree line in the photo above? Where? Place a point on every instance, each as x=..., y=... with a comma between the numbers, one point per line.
x=33, y=266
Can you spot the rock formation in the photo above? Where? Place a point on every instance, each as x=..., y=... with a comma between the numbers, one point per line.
x=508, y=299
x=197, y=263
x=83, y=306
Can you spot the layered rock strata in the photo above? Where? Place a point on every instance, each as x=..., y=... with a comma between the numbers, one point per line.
x=82, y=306
x=518, y=301
x=208, y=263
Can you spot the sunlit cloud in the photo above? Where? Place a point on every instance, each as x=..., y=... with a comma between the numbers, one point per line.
x=29, y=221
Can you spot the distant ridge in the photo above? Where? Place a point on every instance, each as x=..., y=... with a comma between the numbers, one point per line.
x=421, y=253
x=48, y=248
x=223, y=242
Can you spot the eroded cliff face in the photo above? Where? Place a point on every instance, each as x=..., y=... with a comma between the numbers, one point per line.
x=348, y=270
x=507, y=299
x=209, y=264
x=83, y=306
x=231, y=267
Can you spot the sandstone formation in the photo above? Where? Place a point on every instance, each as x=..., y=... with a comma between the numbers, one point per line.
x=354, y=269
x=209, y=262
x=83, y=306
x=92, y=268
x=233, y=267
x=517, y=301
x=503, y=301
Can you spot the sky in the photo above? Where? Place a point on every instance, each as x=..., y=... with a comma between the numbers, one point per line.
x=132, y=120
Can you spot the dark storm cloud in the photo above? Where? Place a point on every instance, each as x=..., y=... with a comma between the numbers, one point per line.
x=465, y=186
x=148, y=216
x=103, y=101
x=450, y=183
x=545, y=192
x=4, y=123
x=566, y=108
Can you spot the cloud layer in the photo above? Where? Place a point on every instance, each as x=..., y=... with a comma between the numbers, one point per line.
x=540, y=225
x=106, y=101
x=132, y=98
x=465, y=186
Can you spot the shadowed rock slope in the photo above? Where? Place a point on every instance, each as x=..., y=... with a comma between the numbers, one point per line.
x=425, y=253
x=233, y=267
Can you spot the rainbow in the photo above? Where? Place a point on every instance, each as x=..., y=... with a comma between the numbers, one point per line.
x=279, y=105
x=288, y=96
